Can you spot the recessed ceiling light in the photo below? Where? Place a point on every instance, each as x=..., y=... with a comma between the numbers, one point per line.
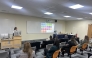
x=76, y=6
x=48, y=13
x=79, y=18
x=90, y=13
x=67, y=16
x=16, y=7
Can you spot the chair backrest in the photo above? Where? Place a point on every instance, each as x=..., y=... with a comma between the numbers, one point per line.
x=73, y=49
x=4, y=54
x=16, y=51
x=84, y=46
x=63, y=43
x=55, y=55
x=33, y=48
x=49, y=46
x=22, y=56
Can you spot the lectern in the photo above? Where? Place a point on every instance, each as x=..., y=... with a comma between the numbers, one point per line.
x=17, y=41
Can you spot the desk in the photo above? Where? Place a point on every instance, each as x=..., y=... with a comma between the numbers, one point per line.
x=6, y=43
x=46, y=43
x=37, y=44
x=61, y=36
x=11, y=43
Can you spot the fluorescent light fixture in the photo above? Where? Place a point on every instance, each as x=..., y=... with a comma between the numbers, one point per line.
x=76, y=6
x=48, y=13
x=67, y=16
x=79, y=18
x=16, y=7
x=90, y=13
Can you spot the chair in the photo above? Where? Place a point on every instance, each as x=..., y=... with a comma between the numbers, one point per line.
x=72, y=50
x=34, y=48
x=49, y=46
x=60, y=45
x=16, y=51
x=4, y=54
x=9, y=52
x=56, y=53
x=90, y=46
x=89, y=54
x=84, y=47
x=63, y=43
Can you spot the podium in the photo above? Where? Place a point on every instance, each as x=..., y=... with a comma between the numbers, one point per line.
x=15, y=42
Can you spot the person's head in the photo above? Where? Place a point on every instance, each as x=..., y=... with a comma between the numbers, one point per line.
x=59, y=32
x=66, y=36
x=27, y=49
x=15, y=28
x=55, y=31
x=50, y=36
x=73, y=40
x=86, y=38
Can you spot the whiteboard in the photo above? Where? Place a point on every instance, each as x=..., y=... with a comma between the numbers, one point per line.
x=6, y=26
x=58, y=27
x=35, y=26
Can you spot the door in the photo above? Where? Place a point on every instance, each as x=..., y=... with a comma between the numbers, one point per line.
x=90, y=30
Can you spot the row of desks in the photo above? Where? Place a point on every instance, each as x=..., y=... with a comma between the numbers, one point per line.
x=61, y=36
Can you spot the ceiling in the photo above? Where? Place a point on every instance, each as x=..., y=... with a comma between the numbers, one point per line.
x=59, y=8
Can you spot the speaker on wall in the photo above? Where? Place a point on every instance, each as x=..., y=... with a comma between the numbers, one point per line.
x=55, y=21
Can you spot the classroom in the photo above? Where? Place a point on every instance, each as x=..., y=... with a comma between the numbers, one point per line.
x=45, y=29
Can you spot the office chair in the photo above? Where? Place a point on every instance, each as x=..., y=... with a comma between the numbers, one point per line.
x=4, y=54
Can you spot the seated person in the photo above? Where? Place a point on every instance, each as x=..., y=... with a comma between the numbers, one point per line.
x=66, y=37
x=55, y=47
x=77, y=39
x=55, y=34
x=27, y=51
x=68, y=46
x=51, y=37
x=86, y=40
x=59, y=33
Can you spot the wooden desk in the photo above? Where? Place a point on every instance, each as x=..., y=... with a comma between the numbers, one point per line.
x=6, y=43
x=11, y=43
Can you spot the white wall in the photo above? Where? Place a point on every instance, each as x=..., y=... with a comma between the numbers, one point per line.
x=20, y=22
x=79, y=27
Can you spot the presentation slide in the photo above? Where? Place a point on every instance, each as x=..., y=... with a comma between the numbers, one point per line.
x=47, y=27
